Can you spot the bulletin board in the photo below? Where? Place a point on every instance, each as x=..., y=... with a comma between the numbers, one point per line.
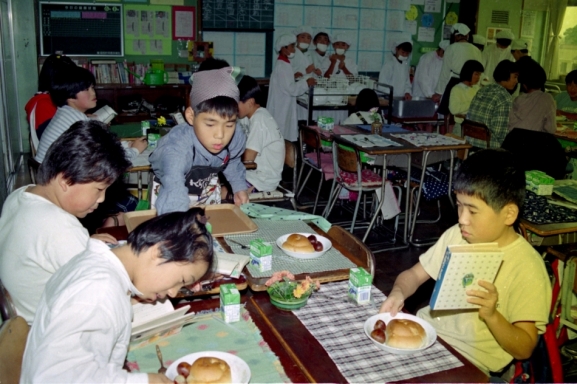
x=374, y=25
x=237, y=14
x=148, y=30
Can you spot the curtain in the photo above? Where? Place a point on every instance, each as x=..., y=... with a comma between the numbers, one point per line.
x=556, y=15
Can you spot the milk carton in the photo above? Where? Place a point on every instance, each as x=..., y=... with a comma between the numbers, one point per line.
x=360, y=285
x=261, y=255
x=229, y=303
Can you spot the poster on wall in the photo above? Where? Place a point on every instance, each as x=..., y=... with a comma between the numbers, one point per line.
x=183, y=26
x=147, y=30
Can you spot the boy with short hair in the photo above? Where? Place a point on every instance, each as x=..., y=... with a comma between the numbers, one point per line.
x=492, y=104
x=341, y=65
x=73, y=93
x=188, y=159
x=514, y=310
x=82, y=328
x=264, y=143
x=395, y=70
x=567, y=101
x=39, y=227
x=321, y=60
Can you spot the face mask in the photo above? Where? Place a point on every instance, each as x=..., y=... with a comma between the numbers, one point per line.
x=322, y=47
x=403, y=58
x=340, y=51
x=292, y=55
x=303, y=45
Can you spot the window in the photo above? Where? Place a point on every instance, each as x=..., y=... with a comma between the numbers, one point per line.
x=568, y=43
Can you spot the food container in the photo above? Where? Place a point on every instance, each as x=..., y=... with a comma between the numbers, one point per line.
x=326, y=123
x=539, y=182
x=260, y=255
x=360, y=282
x=229, y=303
x=414, y=108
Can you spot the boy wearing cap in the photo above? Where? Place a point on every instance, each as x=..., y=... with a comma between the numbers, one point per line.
x=302, y=62
x=455, y=56
x=395, y=70
x=479, y=42
x=188, y=159
x=283, y=90
x=321, y=60
x=428, y=71
x=341, y=65
x=495, y=53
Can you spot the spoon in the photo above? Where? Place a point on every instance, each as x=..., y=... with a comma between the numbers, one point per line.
x=162, y=368
x=237, y=243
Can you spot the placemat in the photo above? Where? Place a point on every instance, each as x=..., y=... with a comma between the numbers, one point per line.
x=371, y=141
x=427, y=139
x=270, y=231
x=242, y=339
x=342, y=335
x=539, y=211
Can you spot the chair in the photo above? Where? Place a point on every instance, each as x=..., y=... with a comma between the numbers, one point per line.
x=13, y=335
x=7, y=310
x=283, y=192
x=313, y=157
x=354, y=245
x=476, y=130
x=33, y=166
x=350, y=175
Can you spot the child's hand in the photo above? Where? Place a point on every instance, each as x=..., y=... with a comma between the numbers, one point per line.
x=408, y=96
x=436, y=97
x=342, y=63
x=310, y=68
x=240, y=198
x=333, y=58
x=298, y=74
x=158, y=378
x=318, y=72
x=141, y=143
x=311, y=81
x=106, y=237
x=394, y=303
x=487, y=301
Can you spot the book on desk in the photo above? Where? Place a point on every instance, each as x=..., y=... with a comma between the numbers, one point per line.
x=462, y=268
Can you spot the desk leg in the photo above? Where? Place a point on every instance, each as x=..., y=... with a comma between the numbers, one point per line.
x=449, y=189
x=383, y=182
x=414, y=218
x=139, y=177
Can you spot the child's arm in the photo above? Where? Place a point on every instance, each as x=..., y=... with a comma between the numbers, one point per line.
x=518, y=339
x=249, y=155
x=405, y=285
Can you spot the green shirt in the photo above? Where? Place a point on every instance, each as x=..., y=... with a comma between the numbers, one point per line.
x=565, y=104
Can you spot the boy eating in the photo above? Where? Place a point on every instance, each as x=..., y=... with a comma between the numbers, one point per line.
x=39, y=227
x=490, y=188
x=567, y=101
x=82, y=327
x=188, y=159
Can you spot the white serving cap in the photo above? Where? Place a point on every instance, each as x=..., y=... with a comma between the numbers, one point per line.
x=505, y=35
x=284, y=40
x=443, y=44
x=519, y=44
x=303, y=29
x=342, y=36
x=479, y=39
x=460, y=28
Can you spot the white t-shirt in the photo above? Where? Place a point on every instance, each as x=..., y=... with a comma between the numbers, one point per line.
x=36, y=238
x=427, y=75
x=524, y=295
x=395, y=73
x=265, y=138
x=82, y=327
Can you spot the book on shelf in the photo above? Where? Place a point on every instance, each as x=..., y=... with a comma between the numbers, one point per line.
x=462, y=268
x=104, y=114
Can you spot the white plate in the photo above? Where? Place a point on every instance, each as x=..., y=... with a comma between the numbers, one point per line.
x=324, y=241
x=386, y=317
x=240, y=372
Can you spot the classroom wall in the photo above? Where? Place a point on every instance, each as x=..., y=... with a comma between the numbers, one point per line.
x=487, y=6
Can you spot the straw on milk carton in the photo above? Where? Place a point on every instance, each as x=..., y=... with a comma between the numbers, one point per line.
x=360, y=285
x=261, y=255
x=229, y=303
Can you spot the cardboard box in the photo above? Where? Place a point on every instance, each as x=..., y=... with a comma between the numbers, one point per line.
x=229, y=303
x=360, y=282
x=539, y=182
x=261, y=255
x=326, y=123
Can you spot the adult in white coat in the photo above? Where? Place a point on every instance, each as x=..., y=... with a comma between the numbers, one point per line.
x=495, y=53
x=455, y=56
x=479, y=42
x=395, y=70
x=341, y=65
x=283, y=90
x=321, y=58
x=302, y=63
x=428, y=71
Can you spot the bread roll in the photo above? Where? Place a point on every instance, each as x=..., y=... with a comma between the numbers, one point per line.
x=405, y=334
x=209, y=370
x=298, y=243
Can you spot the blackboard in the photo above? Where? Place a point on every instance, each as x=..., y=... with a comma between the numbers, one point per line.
x=81, y=29
x=237, y=15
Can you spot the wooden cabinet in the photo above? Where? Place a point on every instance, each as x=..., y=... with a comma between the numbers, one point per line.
x=116, y=96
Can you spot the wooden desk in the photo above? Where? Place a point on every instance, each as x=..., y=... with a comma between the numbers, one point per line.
x=343, y=241
x=404, y=149
x=548, y=232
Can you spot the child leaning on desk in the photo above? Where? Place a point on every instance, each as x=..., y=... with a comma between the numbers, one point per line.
x=188, y=159
x=513, y=311
x=82, y=326
x=39, y=227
